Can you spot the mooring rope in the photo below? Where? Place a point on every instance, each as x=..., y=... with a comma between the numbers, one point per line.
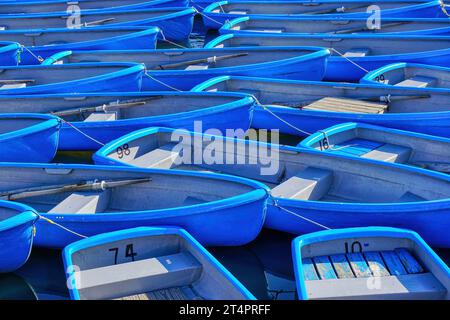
x=59, y=225
x=80, y=131
x=443, y=8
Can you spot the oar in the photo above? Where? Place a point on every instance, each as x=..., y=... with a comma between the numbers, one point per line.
x=197, y=61
x=335, y=10
x=387, y=25
x=93, y=23
x=14, y=81
x=104, y=108
x=81, y=186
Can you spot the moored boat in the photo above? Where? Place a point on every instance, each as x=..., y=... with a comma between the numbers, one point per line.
x=89, y=200
x=28, y=137
x=182, y=69
x=353, y=55
x=17, y=223
x=374, y=142
x=411, y=75
x=304, y=107
x=42, y=43
x=335, y=25
x=217, y=14
x=368, y=263
x=310, y=190
x=175, y=23
x=177, y=267
x=18, y=6
x=107, y=116
x=77, y=77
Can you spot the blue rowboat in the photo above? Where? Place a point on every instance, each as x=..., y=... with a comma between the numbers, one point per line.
x=411, y=75
x=352, y=56
x=336, y=25
x=108, y=116
x=176, y=267
x=311, y=106
x=16, y=235
x=10, y=6
x=15, y=287
x=175, y=23
x=28, y=137
x=9, y=53
x=368, y=263
x=374, y=142
x=77, y=77
x=182, y=69
x=43, y=43
x=218, y=13
x=215, y=209
x=310, y=190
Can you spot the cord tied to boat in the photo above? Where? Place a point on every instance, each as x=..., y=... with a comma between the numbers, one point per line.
x=38, y=58
x=444, y=8
x=277, y=205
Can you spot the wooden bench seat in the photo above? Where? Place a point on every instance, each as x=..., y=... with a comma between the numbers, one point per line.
x=162, y=157
x=176, y=293
x=309, y=184
x=418, y=82
x=351, y=276
x=101, y=116
x=389, y=153
x=83, y=202
x=138, y=277
x=347, y=105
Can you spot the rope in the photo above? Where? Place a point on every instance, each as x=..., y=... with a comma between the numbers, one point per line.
x=60, y=226
x=81, y=132
x=209, y=18
x=38, y=58
x=171, y=42
x=162, y=83
x=443, y=8
x=352, y=62
x=275, y=203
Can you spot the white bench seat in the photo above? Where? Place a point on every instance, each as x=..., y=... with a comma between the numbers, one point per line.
x=309, y=184
x=83, y=202
x=162, y=157
x=418, y=82
x=101, y=116
x=137, y=277
x=357, y=53
x=13, y=86
x=347, y=105
x=389, y=153
x=197, y=67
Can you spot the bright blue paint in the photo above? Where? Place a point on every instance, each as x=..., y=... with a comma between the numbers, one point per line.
x=375, y=259
x=232, y=221
x=359, y=265
x=324, y=268
x=432, y=123
x=111, y=237
x=236, y=114
x=411, y=265
x=9, y=53
x=16, y=236
x=393, y=263
x=341, y=266
x=352, y=233
x=309, y=271
x=127, y=79
x=35, y=143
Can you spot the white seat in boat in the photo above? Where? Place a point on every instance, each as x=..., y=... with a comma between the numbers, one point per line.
x=418, y=82
x=83, y=202
x=197, y=67
x=347, y=105
x=137, y=277
x=309, y=184
x=176, y=293
x=101, y=116
x=237, y=11
x=357, y=52
x=162, y=157
x=389, y=153
x=13, y=86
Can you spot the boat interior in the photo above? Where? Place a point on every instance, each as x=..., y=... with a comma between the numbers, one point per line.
x=99, y=18
x=334, y=97
x=6, y=213
x=336, y=7
x=385, y=145
x=67, y=191
x=415, y=76
x=291, y=174
x=192, y=59
x=12, y=124
x=22, y=77
x=157, y=267
x=371, y=268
